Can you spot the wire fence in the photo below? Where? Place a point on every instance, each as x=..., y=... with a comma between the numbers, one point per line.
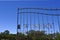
x=38, y=19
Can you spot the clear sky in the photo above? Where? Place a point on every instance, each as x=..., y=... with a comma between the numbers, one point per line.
x=24, y=0
x=8, y=10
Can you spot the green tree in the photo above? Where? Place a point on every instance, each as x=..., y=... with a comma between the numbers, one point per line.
x=35, y=35
x=6, y=32
x=57, y=36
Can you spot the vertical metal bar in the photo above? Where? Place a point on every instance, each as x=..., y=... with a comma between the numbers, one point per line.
x=30, y=25
x=17, y=22
x=20, y=21
x=43, y=23
x=38, y=22
x=53, y=25
x=58, y=22
x=48, y=26
x=34, y=20
x=34, y=24
x=23, y=23
x=30, y=22
x=47, y=23
x=27, y=23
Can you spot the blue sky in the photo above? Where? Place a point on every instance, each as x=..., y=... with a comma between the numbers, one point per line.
x=8, y=10
x=29, y=0
x=24, y=0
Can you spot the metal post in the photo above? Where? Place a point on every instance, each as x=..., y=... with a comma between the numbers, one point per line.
x=30, y=22
x=48, y=26
x=17, y=22
x=58, y=22
x=38, y=21
x=34, y=25
x=53, y=25
x=27, y=23
x=43, y=23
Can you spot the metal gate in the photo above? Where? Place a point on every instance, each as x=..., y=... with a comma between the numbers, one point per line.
x=38, y=19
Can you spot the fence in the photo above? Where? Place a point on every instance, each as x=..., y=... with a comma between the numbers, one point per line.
x=38, y=19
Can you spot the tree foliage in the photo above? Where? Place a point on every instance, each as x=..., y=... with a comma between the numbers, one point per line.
x=31, y=35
